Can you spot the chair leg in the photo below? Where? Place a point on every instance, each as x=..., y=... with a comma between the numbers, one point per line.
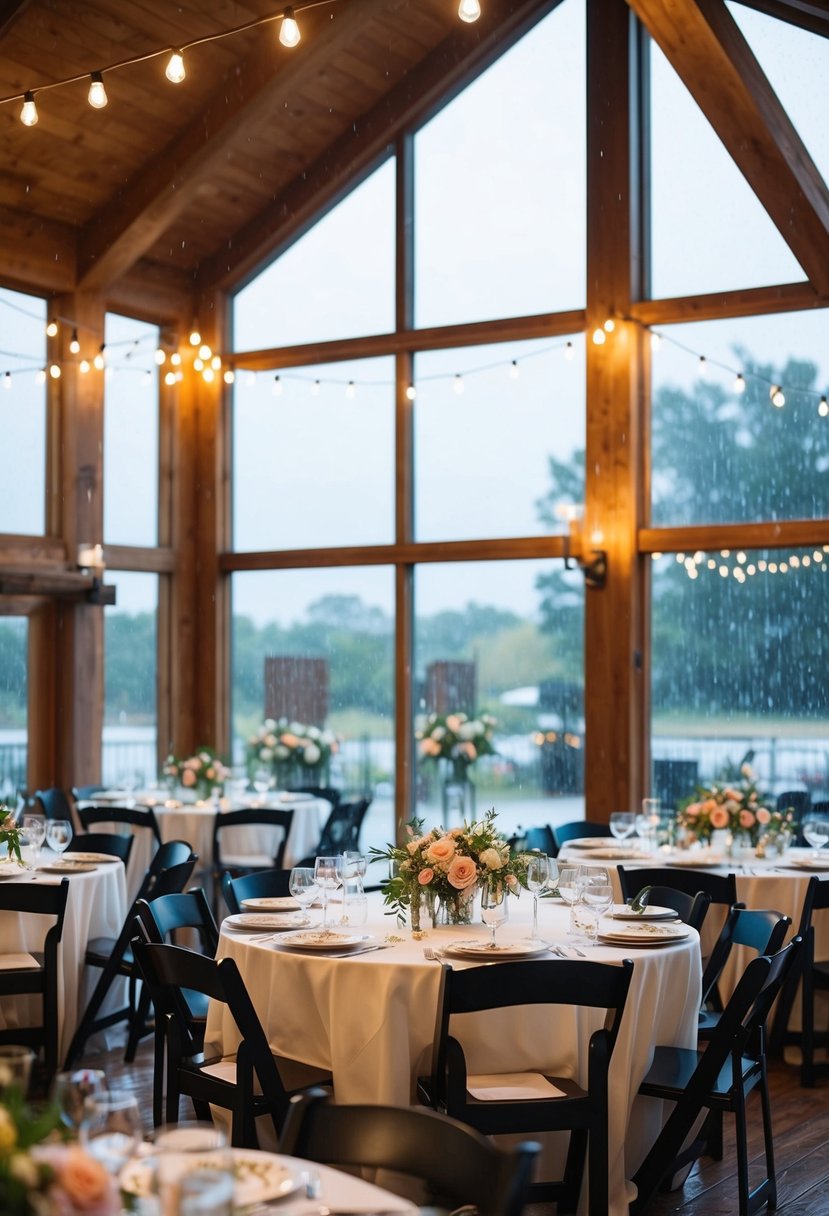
x=713, y=1134
x=807, y=1036
x=138, y=1025
x=768, y=1139
x=159, y=1059
x=574, y=1173
x=741, y=1132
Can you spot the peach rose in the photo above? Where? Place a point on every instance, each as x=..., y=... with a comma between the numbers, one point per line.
x=719, y=817
x=188, y=777
x=469, y=750
x=85, y=1180
x=747, y=818
x=763, y=815
x=462, y=873
x=693, y=810
x=430, y=747
x=425, y=876
x=441, y=851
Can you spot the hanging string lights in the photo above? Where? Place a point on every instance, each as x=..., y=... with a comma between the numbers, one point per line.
x=175, y=70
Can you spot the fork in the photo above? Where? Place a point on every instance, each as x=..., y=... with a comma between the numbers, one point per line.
x=431, y=955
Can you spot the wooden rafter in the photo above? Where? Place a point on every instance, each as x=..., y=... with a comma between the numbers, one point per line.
x=706, y=48
x=449, y=67
x=112, y=242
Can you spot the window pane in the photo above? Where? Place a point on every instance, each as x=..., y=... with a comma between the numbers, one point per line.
x=14, y=697
x=796, y=63
x=23, y=413
x=500, y=185
x=130, y=433
x=740, y=648
x=723, y=455
x=485, y=456
x=313, y=466
x=337, y=281
x=727, y=239
x=130, y=649
x=503, y=639
x=326, y=640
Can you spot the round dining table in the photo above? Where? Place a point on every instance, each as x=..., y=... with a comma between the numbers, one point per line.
x=369, y=1015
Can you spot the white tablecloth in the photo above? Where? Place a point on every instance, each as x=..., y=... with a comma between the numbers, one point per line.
x=96, y=907
x=371, y=1018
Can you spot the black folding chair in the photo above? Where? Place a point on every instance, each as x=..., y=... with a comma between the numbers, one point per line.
x=581, y=1111
x=459, y=1167
x=758, y=929
x=811, y=976
x=691, y=909
x=105, y=842
x=46, y=900
x=261, y=884
x=126, y=816
x=54, y=803
x=235, y=864
x=565, y=832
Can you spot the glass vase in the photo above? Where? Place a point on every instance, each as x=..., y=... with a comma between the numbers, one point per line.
x=456, y=909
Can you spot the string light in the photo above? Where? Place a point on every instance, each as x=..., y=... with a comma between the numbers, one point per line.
x=7, y=381
x=739, y=383
x=28, y=111
x=609, y=325
x=277, y=386
x=469, y=10
x=99, y=362
x=457, y=383
x=83, y=366
x=54, y=371
x=514, y=370
x=52, y=329
x=97, y=93
x=569, y=351
x=351, y=390
x=160, y=357
x=778, y=397
x=289, y=34
x=823, y=407
x=195, y=336
x=229, y=375
x=599, y=337
x=656, y=340
x=175, y=70
x=740, y=569
x=74, y=345
x=411, y=392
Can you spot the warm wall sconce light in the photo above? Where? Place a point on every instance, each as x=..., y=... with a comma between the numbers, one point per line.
x=591, y=560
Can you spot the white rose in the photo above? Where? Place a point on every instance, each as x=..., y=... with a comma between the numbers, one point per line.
x=312, y=754
x=297, y=728
x=282, y=752
x=492, y=859
x=468, y=730
x=269, y=725
x=266, y=753
x=313, y=732
x=438, y=733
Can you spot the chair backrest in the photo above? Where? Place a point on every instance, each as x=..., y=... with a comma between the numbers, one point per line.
x=249, y=816
x=170, y=969
x=81, y=792
x=162, y=916
x=537, y=839
x=111, y=843
x=254, y=886
x=760, y=929
x=41, y=899
x=341, y=830
x=562, y=832
x=459, y=1166
x=571, y=982
x=55, y=804
x=799, y=801
x=690, y=909
x=169, y=871
x=326, y=792
x=129, y=816
x=722, y=888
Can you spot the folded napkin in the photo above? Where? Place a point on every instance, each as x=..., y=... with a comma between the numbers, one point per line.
x=16, y=962
x=511, y=1087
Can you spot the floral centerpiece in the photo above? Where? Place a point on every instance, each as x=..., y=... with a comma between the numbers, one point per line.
x=457, y=738
x=48, y=1179
x=736, y=807
x=201, y=773
x=291, y=751
x=10, y=834
x=448, y=867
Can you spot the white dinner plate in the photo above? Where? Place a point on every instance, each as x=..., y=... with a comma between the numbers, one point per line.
x=503, y=950
x=322, y=939
x=587, y=842
x=66, y=867
x=91, y=858
x=271, y=903
x=696, y=860
x=298, y=797
x=645, y=935
x=260, y=1178
x=250, y=922
x=10, y=869
x=805, y=863
x=649, y=912
x=603, y=853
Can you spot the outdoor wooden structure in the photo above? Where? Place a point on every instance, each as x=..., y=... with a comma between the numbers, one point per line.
x=105, y=215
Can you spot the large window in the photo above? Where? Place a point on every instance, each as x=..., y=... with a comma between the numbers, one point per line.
x=13, y=705
x=130, y=433
x=23, y=413
x=130, y=661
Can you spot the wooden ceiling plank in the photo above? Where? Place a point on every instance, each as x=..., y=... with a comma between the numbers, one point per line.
x=10, y=10
x=461, y=53
x=706, y=48
x=265, y=82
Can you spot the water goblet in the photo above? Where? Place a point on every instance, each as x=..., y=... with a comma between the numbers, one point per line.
x=569, y=887
x=110, y=1130
x=302, y=884
x=538, y=878
x=597, y=895
x=816, y=833
x=622, y=825
x=494, y=907
x=328, y=874
x=193, y=1170
x=262, y=782
x=16, y=1062
x=70, y=1091
x=58, y=834
x=34, y=829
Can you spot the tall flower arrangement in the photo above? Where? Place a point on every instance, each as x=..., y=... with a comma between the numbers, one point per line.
x=457, y=738
x=201, y=773
x=291, y=749
x=736, y=806
x=9, y=833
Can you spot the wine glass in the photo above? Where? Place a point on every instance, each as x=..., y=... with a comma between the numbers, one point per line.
x=597, y=895
x=816, y=833
x=34, y=829
x=622, y=825
x=58, y=834
x=70, y=1091
x=494, y=907
x=328, y=873
x=569, y=888
x=262, y=782
x=647, y=821
x=302, y=884
x=538, y=878
x=355, y=905
x=110, y=1129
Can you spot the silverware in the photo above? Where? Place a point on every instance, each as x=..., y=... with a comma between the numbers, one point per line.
x=431, y=955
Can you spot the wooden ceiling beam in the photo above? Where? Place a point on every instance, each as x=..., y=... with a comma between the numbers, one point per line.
x=253, y=93
x=707, y=50
x=10, y=10
x=456, y=61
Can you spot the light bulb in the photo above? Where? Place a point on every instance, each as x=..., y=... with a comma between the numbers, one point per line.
x=514, y=370
x=74, y=345
x=175, y=358
x=40, y=376
x=198, y=364
x=822, y=409
x=351, y=389
x=216, y=362
x=315, y=389
x=289, y=34
x=98, y=361
x=777, y=395
x=28, y=112
x=205, y=352
x=277, y=387
x=469, y=10
x=229, y=376
x=174, y=70
x=457, y=384
x=411, y=392
x=208, y=375
x=160, y=356
x=739, y=383
x=97, y=93
x=599, y=337
x=609, y=325
x=170, y=378
x=569, y=351
x=54, y=371
x=656, y=341
x=83, y=366
x=7, y=381
x=195, y=337
x=52, y=329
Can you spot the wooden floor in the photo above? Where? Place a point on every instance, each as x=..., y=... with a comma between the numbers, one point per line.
x=801, y=1126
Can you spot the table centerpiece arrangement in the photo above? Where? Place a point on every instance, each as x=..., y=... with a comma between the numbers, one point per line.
x=739, y=811
x=452, y=743
x=294, y=753
x=446, y=869
x=10, y=836
x=198, y=775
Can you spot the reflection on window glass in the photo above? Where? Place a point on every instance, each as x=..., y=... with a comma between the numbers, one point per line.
x=723, y=450
x=130, y=433
x=129, y=756
x=336, y=282
x=496, y=458
x=313, y=456
x=315, y=648
x=740, y=650
x=500, y=185
x=502, y=644
x=23, y=413
x=727, y=239
x=13, y=704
